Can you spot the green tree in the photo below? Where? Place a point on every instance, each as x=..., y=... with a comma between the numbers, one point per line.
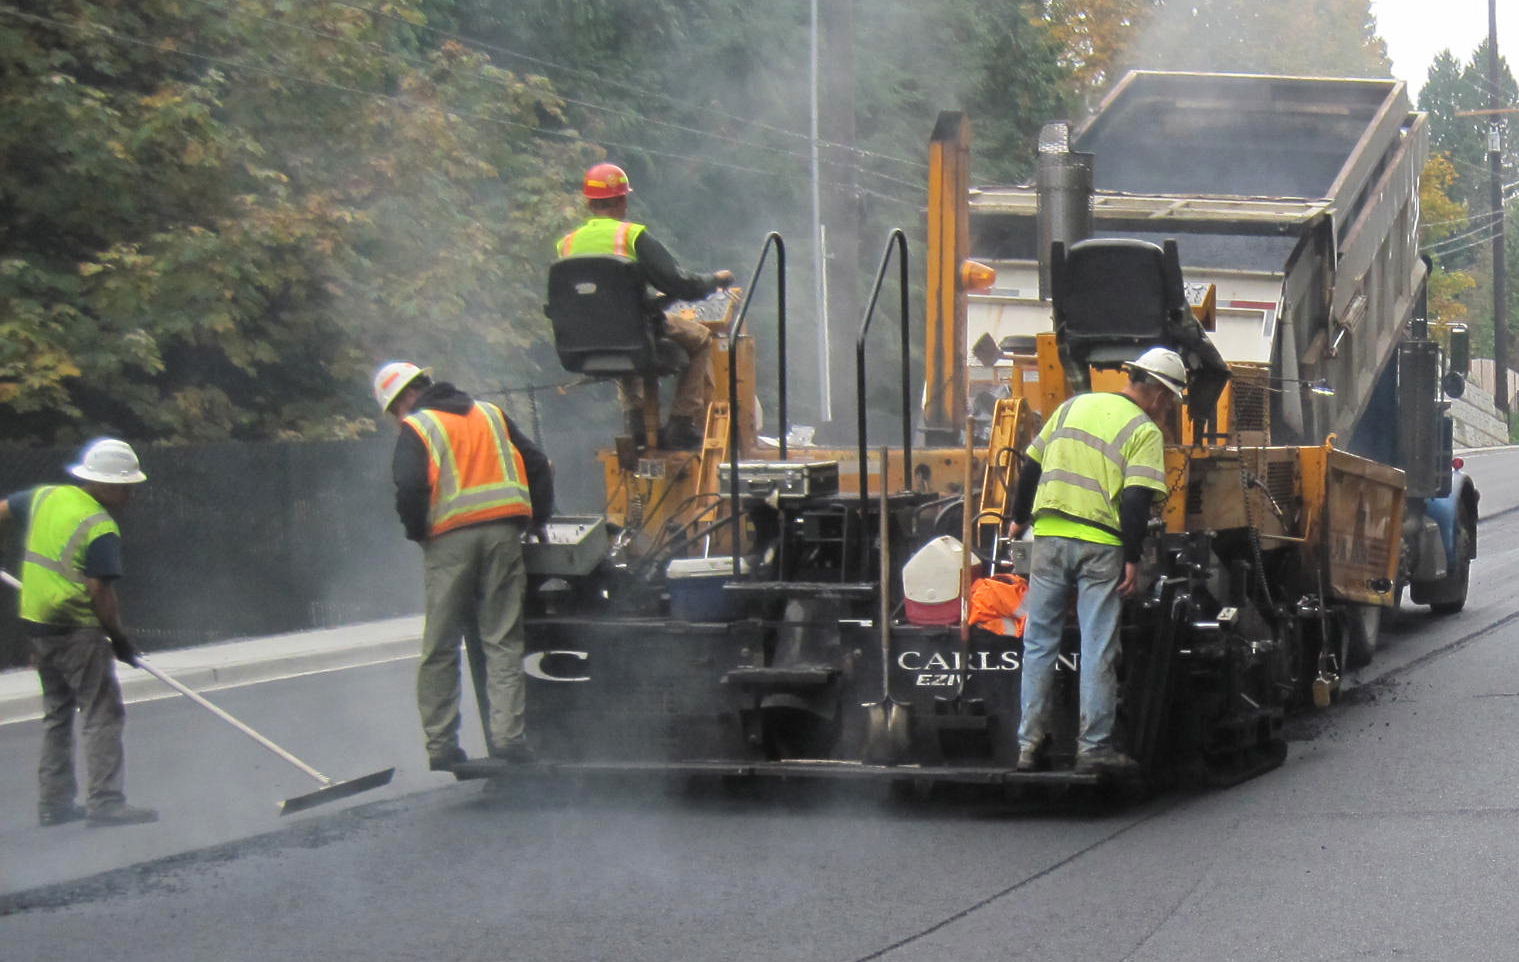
x=1451, y=92
x=1335, y=38
x=252, y=202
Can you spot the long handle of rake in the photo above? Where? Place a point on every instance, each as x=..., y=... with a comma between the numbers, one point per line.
x=200, y=700
x=221, y=713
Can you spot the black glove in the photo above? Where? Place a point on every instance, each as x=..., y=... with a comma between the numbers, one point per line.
x=122, y=646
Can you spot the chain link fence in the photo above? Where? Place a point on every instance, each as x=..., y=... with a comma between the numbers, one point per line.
x=243, y=539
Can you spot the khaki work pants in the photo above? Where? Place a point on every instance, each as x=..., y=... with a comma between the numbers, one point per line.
x=694, y=388
x=474, y=580
x=78, y=673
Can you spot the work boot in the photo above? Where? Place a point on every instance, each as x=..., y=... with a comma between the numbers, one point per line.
x=1105, y=761
x=1032, y=760
x=120, y=814
x=446, y=761
x=681, y=434
x=50, y=815
x=517, y=751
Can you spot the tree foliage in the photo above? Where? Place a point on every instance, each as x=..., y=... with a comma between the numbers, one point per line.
x=1095, y=36
x=219, y=214
x=1461, y=249
x=248, y=203
x=1333, y=38
x=1442, y=217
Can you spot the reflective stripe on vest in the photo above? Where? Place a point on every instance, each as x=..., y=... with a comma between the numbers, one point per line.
x=602, y=236
x=474, y=472
x=1095, y=446
x=64, y=520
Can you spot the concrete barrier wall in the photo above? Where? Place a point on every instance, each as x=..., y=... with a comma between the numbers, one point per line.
x=1477, y=424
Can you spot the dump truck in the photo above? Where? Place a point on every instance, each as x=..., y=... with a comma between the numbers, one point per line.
x=757, y=607
x=1295, y=201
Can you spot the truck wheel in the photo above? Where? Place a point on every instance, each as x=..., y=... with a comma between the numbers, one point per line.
x=1363, y=624
x=1455, y=584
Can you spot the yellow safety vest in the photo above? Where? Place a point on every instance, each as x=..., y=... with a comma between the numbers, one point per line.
x=1093, y=447
x=64, y=521
x=474, y=472
x=602, y=236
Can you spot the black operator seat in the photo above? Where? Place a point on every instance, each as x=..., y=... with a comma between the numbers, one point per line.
x=604, y=323
x=1115, y=298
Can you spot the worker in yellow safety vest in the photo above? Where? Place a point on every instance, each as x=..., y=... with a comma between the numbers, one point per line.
x=609, y=233
x=71, y=617
x=469, y=486
x=1089, y=481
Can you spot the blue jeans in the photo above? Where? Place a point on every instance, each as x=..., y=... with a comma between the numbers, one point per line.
x=1094, y=570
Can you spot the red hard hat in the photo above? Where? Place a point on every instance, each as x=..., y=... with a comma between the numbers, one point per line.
x=606, y=180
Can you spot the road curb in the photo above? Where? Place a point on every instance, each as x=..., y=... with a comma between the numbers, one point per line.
x=234, y=664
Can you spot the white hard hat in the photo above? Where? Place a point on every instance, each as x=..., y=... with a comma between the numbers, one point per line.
x=392, y=378
x=108, y=461
x=1165, y=366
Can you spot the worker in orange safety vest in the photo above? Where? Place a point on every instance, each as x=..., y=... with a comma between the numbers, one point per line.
x=469, y=486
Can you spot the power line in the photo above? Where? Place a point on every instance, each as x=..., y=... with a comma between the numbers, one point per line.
x=915, y=205
x=1464, y=221
x=418, y=62
x=1474, y=242
x=1488, y=229
x=576, y=71
x=159, y=47
x=1484, y=222
x=1487, y=234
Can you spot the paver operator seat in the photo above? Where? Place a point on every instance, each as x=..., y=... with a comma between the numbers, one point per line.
x=605, y=326
x=1115, y=298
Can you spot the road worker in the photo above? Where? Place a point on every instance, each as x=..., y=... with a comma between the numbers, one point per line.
x=469, y=485
x=70, y=614
x=609, y=233
x=1089, y=481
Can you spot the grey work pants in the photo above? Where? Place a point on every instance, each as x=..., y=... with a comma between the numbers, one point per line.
x=474, y=580
x=78, y=672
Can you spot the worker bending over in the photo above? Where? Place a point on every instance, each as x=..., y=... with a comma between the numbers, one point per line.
x=468, y=486
x=609, y=233
x=70, y=614
x=1089, y=480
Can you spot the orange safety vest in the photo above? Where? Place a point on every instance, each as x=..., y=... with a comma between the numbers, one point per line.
x=474, y=472
x=996, y=604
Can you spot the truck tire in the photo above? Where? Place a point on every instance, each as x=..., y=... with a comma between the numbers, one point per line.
x=1453, y=588
x=1363, y=625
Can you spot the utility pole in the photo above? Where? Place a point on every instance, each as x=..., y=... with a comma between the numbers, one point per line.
x=840, y=200
x=819, y=255
x=1495, y=174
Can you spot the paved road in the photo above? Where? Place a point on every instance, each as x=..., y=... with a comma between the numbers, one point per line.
x=1391, y=832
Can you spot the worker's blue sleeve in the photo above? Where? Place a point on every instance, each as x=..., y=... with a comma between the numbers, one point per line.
x=102, y=559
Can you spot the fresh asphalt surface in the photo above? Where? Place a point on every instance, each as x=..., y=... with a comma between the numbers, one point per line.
x=1392, y=832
